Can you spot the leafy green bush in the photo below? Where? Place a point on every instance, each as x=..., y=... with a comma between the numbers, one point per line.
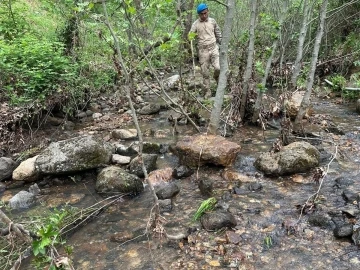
x=339, y=82
x=32, y=68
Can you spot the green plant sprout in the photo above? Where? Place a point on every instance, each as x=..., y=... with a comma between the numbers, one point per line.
x=206, y=206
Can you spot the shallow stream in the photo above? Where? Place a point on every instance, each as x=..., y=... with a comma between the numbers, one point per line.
x=268, y=231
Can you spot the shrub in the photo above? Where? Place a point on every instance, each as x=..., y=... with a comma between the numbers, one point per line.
x=32, y=68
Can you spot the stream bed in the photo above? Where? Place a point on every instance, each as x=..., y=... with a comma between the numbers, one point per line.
x=271, y=231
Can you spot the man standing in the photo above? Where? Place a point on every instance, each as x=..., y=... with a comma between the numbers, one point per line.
x=208, y=34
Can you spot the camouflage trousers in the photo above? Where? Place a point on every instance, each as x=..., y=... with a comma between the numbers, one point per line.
x=209, y=55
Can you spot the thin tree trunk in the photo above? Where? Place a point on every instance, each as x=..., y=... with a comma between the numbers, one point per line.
x=274, y=46
x=262, y=89
x=301, y=41
x=250, y=59
x=310, y=81
x=219, y=97
x=128, y=95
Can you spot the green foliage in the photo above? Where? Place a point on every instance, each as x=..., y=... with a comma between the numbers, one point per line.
x=33, y=68
x=259, y=68
x=339, y=82
x=355, y=79
x=268, y=241
x=206, y=206
x=261, y=87
x=13, y=22
x=350, y=95
x=48, y=234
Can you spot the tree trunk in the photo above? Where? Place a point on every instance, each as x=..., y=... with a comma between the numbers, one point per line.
x=128, y=95
x=250, y=59
x=302, y=35
x=310, y=81
x=262, y=88
x=219, y=97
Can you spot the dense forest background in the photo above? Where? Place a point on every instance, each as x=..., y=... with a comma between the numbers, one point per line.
x=62, y=53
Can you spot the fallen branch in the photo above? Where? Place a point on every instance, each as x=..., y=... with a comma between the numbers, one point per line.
x=314, y=196
x=345, y=88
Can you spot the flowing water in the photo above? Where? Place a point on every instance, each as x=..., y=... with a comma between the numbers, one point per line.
x=269, y=234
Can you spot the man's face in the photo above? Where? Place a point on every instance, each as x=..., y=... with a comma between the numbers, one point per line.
x=204, y=15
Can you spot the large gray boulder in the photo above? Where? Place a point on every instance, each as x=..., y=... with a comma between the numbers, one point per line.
x=73, y=155
x=296, y=157
x=203, y=148
x=7, y=165
x=116, y=180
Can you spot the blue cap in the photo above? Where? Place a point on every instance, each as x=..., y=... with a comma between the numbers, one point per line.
x=201, y=8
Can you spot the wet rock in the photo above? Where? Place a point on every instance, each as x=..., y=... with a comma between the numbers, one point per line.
x=151, y=148
x=233, y=237
x=161, y=133
x=89, y=112
x=165, y=205
x=171, y=82
x=231, y=175
x=125, y=150
x=81, y=114
x=15, y=184
x=149, y=161
x=343, y=181
x=149, y=109
x=124, y=134
x=118, y=159
x=351, y=211
x=255, y=187
x=206, y=186
x=217, y=220
x=97, y=115
x=121, y=237
x=69, y=125
x=54, y=121
x=116, y=180
x=325, y=156
x=182, y=171
x=164, y=148
x=26, y=171
x=335, y=130
x=167, y=190
x=2, y=187
x=23, y=199
x=320, y=220
x=73, y=155
x=34, y=189
x=296, y=157
x=350, y=195
x=7, y=165
x=160, y=176
x=203, y=149
x=345, y=230
x=148, y=147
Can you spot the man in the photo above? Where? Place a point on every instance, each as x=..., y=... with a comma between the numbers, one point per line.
x=208, y=34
